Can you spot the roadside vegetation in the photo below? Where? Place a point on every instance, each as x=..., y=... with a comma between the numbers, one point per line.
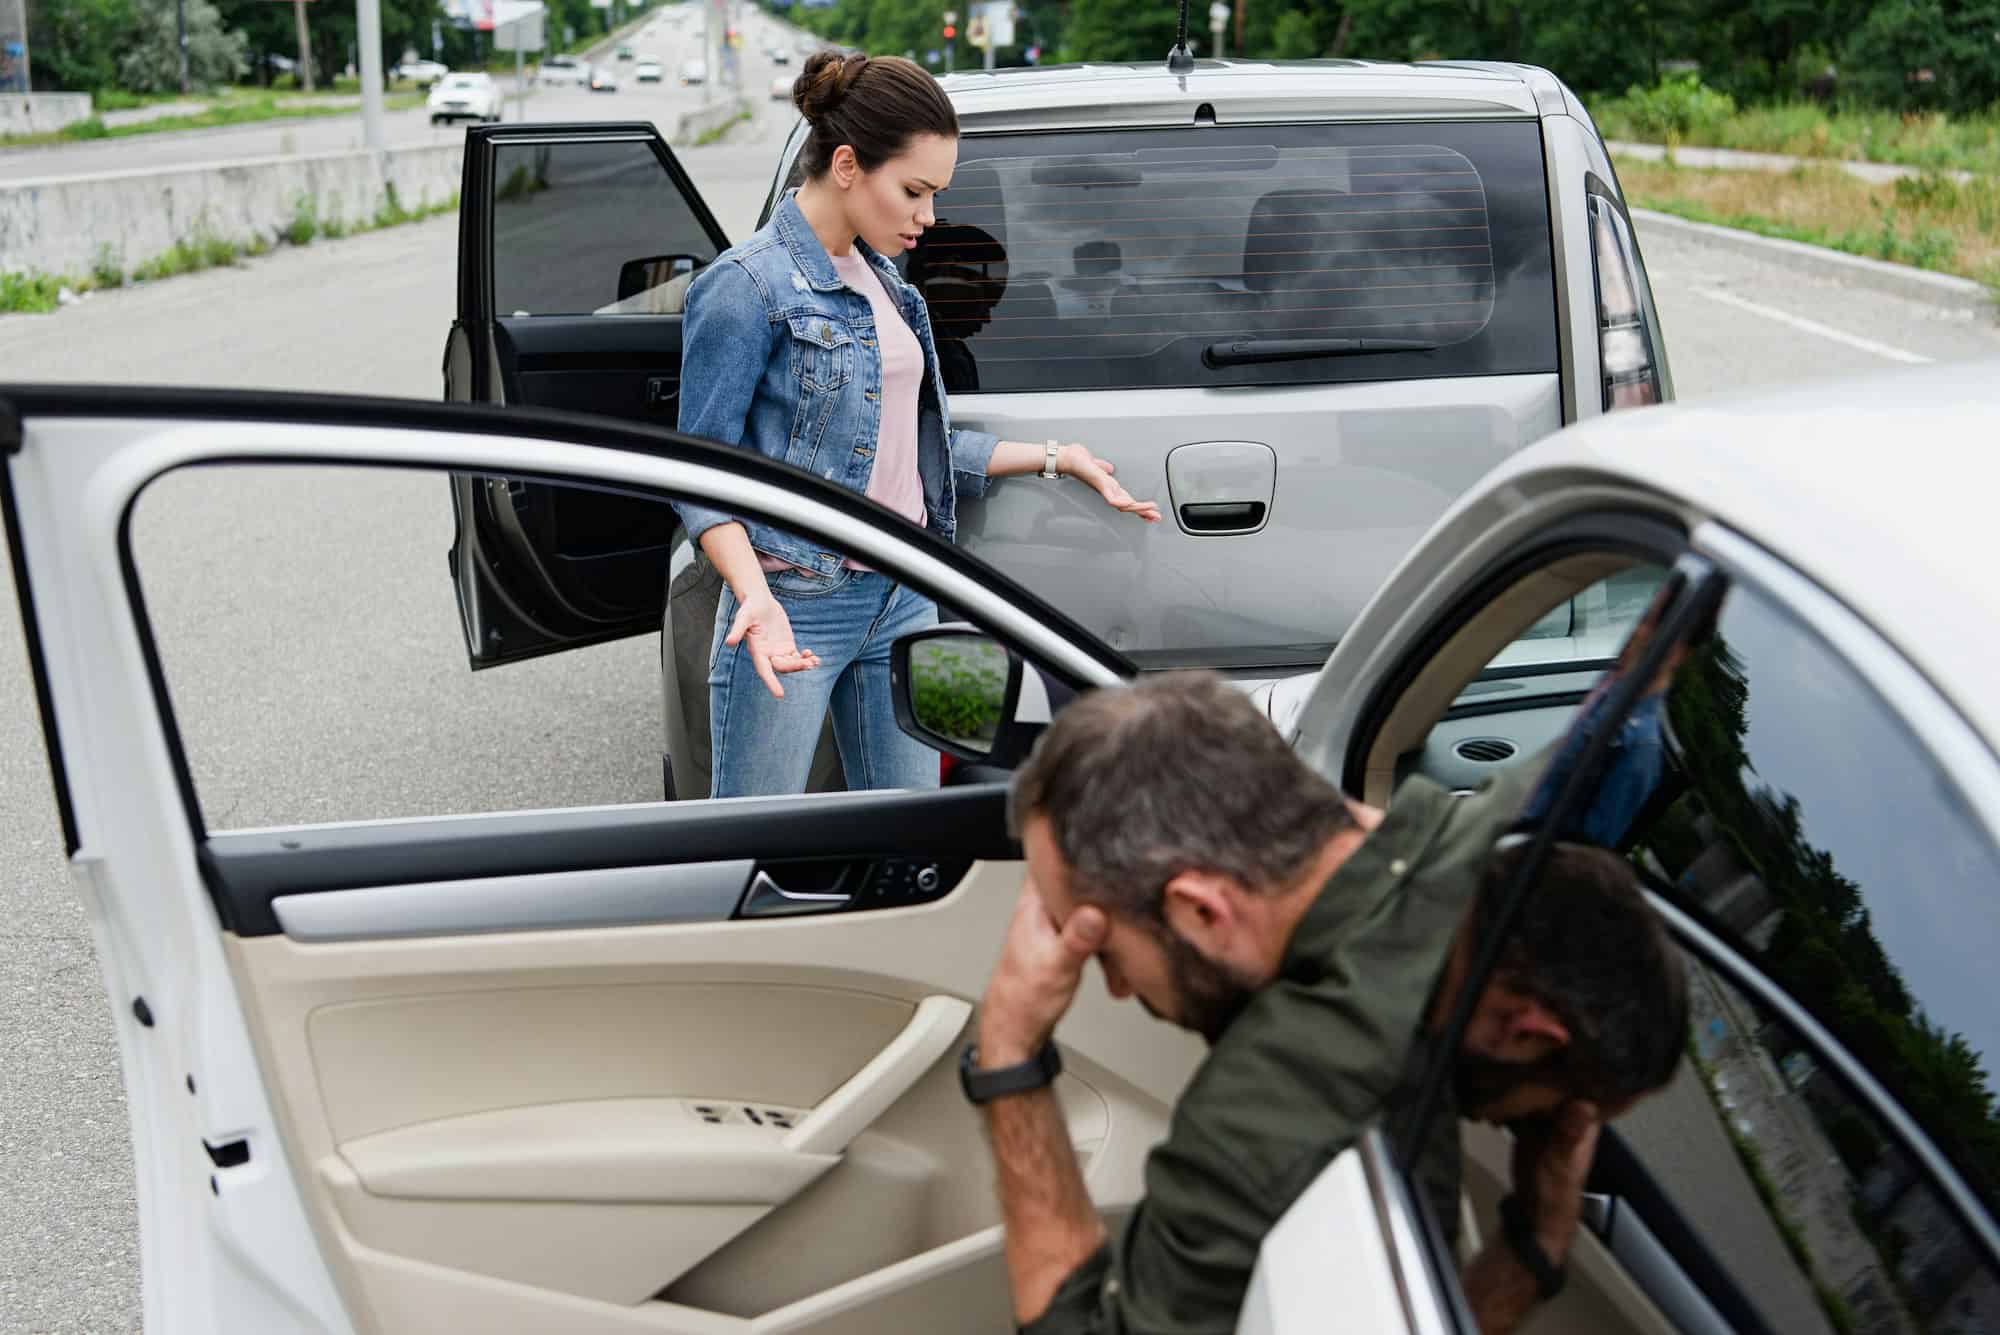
x=204, y=248
x=1929, y=221
x=234, y=109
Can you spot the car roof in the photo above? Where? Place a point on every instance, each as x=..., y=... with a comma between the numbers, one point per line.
x=1050, y=96
x=1880, y=489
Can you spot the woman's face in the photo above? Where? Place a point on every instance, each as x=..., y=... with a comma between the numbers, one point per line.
x=890, y=207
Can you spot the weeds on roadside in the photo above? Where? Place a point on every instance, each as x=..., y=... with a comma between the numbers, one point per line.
x=107, y=270
x=304, y=225
x=33, y=293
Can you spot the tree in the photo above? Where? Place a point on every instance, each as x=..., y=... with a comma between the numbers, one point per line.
x=152, y=61
x=1926, y=54
x=76, y=42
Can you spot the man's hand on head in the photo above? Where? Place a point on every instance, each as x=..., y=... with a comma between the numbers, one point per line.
x=1036, y=979
x=1552, y=1157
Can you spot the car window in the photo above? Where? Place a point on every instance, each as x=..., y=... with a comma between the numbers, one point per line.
x=567, y=218
x=1820, y=1222
x=1800, y=816
x=1117, y=259
x=307, y=622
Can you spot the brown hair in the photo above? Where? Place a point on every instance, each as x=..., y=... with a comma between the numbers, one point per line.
x=873, y=104
x=1589, y=947
x=1179, y=772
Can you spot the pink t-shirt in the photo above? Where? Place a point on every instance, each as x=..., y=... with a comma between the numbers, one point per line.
x=894, y=482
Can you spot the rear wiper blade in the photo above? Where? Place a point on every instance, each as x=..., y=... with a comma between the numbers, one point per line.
x=1242, y=351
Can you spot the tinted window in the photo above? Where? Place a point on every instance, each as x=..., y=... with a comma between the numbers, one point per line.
x=1792, y=1190
x=568, y=217
x=1801, y=816
x=1115, y=259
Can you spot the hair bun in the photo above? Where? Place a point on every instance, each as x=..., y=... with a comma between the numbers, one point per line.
x=824, y=82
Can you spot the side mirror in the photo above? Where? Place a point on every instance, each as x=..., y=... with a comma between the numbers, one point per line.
x=957, y=690
x=636, y=276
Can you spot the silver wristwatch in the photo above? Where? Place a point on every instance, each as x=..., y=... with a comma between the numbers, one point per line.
x=1049, y=460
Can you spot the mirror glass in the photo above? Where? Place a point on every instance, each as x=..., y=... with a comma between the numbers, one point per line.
x=958, y=689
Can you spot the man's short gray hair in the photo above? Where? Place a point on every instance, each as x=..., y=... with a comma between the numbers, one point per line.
x=1179, y=772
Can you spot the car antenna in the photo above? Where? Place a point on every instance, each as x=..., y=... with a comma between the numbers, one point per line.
x=1180, y=60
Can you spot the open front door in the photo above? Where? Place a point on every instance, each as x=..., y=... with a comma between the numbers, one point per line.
x=576, y=245
x=461, y=1052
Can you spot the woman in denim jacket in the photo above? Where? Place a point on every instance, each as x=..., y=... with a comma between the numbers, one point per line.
x=804, y=344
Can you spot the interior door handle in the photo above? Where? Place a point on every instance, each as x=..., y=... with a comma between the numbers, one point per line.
x=853, y=1108
x=768, y=899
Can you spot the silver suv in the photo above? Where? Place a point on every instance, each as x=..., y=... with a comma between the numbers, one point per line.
x=1305, y=305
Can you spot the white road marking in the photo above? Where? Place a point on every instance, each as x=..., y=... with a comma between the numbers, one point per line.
x=1813, y=326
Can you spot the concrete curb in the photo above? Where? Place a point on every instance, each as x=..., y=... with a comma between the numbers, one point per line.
x=1900, y=280
x=692, y=125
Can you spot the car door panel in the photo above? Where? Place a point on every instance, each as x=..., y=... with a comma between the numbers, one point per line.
x=492, y=1118
x=551, y=215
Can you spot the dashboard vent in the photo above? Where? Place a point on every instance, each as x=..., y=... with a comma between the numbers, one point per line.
x=1484, y=750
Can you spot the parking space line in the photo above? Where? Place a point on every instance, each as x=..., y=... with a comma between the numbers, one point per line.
x=1813, y=326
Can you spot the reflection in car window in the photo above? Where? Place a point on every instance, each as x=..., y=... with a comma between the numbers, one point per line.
x=1807, y=821
x=567, y=218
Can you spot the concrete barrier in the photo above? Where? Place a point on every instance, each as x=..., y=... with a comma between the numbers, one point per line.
x=694, y=124
x=41, y=113
x=64, y=225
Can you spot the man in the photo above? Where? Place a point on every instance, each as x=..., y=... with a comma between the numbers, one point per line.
x=1318, y=945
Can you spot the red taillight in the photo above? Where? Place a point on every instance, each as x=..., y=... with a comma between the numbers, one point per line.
x=1627, y=359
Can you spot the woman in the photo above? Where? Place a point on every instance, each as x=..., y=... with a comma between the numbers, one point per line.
x=805, y=345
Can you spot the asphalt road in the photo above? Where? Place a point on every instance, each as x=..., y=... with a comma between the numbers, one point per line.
x=369, y=314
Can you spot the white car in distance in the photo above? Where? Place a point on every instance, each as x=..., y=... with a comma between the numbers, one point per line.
x=694, y=71
x=556, y=71
x=422, y=73
x=470, y=97
x=649, y=70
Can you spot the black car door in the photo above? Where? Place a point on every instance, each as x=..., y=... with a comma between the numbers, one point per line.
x=576, y=244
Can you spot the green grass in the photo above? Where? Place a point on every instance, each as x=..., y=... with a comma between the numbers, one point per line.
x=34, y=292
x=227, y=111
x=1808, y=130
x=711, y=136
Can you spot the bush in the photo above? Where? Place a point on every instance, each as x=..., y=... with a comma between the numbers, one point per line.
x=1677, y=107
x=33, y=293
x=151, y=63
x=304, y=225
x=105, y=270
x=90, y=127
x=959, y=696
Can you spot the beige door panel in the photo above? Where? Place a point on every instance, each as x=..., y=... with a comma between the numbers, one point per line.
x=1599, y=1298
x=507, y=1123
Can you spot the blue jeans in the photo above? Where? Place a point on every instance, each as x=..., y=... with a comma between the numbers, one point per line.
x=763, y=746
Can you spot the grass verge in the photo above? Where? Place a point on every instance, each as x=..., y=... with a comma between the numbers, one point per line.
x=1808, y=130
x=229, y=111
x=34, y=292
x=1927, y=222
x=714, y=135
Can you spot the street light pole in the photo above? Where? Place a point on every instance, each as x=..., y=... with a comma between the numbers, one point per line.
x=1218, y=18
x=181, y=28
x=368, y=35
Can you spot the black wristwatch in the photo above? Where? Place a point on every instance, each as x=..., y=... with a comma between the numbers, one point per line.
x=1038, y=1072
x=1519, y=1230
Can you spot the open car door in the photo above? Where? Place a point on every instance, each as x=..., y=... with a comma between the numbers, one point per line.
x=576, y=245
x=428, y=1061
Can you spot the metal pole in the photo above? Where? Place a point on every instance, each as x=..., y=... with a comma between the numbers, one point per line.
x=181, y=27
x=305, y=66
x=520, y=93
x=368, y=35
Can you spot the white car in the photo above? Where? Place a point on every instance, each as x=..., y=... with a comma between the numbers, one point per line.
x=648, y=70
x=562, y=71
x=423, y=73
x=781, y=87
x=603, y=79
x=465, y=97
x=694, y=70
x=518, y=1067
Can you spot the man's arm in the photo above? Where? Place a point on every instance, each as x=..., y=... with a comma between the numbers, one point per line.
x=1551, y=1161
x=1051, y=1225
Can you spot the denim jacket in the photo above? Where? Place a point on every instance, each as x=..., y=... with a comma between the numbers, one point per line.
x=780, y=356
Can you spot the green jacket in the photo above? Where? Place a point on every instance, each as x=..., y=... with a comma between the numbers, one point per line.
x=1316, y=1058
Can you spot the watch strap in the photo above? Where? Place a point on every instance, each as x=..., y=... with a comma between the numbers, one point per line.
x=984, y=1086
x=1519, y=1231
x=1049, y=453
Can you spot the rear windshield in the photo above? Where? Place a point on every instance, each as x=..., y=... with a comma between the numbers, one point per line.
x=1124, y=258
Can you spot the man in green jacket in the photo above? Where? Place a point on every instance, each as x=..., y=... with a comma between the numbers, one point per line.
x=1318, y=945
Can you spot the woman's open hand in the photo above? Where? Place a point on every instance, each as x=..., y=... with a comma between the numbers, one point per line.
x=1078, y=462
x=762, y=626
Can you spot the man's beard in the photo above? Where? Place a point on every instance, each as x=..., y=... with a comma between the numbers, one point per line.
x=1481, y=1082
x=1208, y=995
